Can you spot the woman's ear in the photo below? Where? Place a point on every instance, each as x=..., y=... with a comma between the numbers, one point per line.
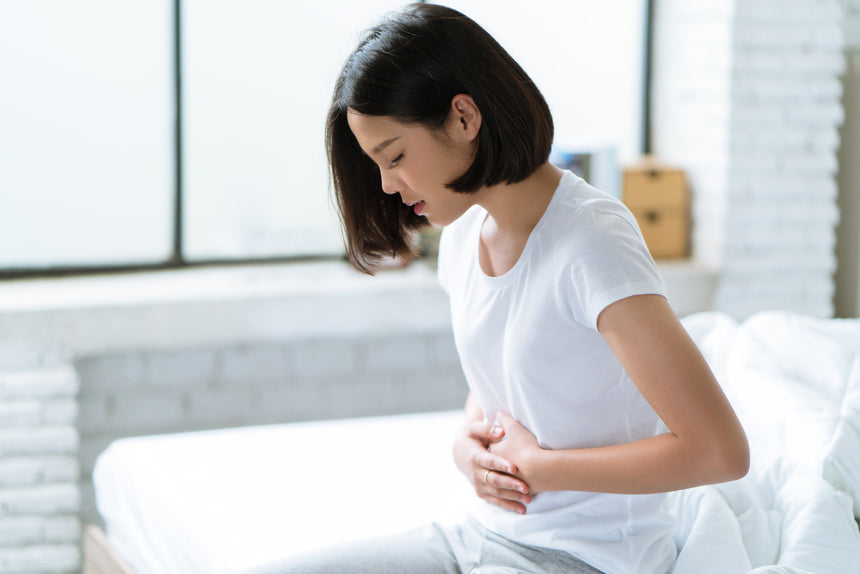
x=464, y=118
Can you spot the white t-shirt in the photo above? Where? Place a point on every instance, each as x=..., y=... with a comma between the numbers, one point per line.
x=529, y=345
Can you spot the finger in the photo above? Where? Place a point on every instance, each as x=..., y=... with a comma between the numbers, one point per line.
x=485, y=431
x=505, y=420
x=505, y=486
x=507, y=482
x=492, y=461
x=506, y=504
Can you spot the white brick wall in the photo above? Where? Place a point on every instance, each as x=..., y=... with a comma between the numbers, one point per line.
x=39, y=559
x=747, y=100
x=40, y=528
x=19, y=471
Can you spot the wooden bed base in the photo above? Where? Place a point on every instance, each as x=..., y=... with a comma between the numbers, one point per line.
x=99, y=556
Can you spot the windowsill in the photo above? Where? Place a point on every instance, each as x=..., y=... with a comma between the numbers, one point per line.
x=200, y=307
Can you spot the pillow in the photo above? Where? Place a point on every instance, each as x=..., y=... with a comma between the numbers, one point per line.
x=795, y=383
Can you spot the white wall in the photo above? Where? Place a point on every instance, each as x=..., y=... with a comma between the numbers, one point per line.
x=40, y=528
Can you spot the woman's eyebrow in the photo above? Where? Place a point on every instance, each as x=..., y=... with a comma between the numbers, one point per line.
x=384, y=144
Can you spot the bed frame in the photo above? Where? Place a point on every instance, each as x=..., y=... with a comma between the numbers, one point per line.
x=99, y=556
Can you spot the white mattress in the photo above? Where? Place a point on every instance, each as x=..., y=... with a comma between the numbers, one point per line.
x=226, y=500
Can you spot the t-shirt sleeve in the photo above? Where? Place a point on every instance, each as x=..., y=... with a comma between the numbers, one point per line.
x=611, y=263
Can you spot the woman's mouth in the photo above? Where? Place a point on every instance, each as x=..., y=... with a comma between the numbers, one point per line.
x=417, y=206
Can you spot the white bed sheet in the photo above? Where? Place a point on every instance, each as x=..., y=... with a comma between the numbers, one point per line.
x=223, y=501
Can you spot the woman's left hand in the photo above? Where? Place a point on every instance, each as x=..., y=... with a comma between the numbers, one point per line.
x=518, y=446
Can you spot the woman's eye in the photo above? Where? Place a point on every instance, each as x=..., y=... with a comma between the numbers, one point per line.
x=395, y=161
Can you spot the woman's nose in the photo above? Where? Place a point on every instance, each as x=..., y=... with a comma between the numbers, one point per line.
x=390, y=185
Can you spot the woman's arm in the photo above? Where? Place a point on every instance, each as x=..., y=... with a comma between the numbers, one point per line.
x=706, y=443
x=473, y=459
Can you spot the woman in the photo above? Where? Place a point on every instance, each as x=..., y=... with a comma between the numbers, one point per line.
x=572, y=353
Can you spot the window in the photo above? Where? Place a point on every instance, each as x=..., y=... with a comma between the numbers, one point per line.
x=587, y=58
x=258, y=82
x=95, y=99
x=86, y=133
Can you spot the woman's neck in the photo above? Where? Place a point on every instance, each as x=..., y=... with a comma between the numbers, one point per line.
x=516, y=208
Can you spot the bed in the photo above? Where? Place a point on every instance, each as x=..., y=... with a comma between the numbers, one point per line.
x=228, y=500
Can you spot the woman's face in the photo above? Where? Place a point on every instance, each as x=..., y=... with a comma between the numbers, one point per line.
x=417, y=163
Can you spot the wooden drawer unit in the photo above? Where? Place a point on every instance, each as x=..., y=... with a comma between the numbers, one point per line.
x=658, y=197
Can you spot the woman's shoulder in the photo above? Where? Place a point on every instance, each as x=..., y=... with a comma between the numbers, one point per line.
x=583, y=211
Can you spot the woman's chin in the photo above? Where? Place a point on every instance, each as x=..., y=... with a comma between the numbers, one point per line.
x=437, y=220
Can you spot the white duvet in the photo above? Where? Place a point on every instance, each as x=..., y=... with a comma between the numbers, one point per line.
x=780, y=520
x=795, y=384
x=224, y=501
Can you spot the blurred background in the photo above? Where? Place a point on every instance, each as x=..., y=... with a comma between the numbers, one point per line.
x=170, y=259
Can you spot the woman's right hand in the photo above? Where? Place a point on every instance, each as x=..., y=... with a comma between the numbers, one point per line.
x=490, y=474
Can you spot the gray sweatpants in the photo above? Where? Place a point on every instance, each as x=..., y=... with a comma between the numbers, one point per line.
x=434, y=549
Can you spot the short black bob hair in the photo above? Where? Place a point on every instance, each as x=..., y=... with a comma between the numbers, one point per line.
x=409, y=67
